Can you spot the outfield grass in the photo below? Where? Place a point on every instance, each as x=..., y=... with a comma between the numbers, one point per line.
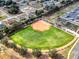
x=52, y=38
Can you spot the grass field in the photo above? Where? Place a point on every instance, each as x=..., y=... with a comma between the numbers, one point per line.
x=2, y=17
x=52, y=38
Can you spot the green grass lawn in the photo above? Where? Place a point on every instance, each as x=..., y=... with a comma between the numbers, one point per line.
x=52, y=38
x=2, y=17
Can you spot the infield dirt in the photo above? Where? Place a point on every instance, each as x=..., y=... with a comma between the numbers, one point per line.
x=41, y=25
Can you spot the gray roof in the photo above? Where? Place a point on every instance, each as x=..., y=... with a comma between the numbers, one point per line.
x=1, y=25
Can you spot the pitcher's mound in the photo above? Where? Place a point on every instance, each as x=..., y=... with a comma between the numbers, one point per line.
x=41, y=25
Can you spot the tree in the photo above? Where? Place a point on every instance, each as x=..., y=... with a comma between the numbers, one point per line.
x=6, y=30
x=14, y=9
x=9, y=2
x=37, y=52
x=39, y=12
x=64, y=2
x=55, y=55
x=69, y=1
x=1, y=35
x=2, y=3
x=22, y=51
x=59, y=56
x=5, y=41
x=57, y=8
x=44, y=56
x=11, y=45
x=51, y=7
x=52, y=53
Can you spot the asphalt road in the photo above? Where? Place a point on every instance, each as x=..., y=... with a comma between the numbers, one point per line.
x=75, y=51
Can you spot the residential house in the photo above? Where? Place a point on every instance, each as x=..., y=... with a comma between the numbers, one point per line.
x=2, y=26
x=10, y=23
x=29, y=11
x=22, y=18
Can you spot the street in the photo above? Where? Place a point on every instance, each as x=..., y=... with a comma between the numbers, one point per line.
x=75, y=52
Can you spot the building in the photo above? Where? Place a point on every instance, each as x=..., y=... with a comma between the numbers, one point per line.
x=2, y=26
x=22, y=3
x=10, y=23
x=29, y=10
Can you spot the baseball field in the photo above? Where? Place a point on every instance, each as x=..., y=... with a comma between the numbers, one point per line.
x=41, y=35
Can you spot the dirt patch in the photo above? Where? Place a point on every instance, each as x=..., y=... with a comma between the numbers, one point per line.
x=41, y=25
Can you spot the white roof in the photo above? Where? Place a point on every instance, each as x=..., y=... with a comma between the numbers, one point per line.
x=0, y=22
